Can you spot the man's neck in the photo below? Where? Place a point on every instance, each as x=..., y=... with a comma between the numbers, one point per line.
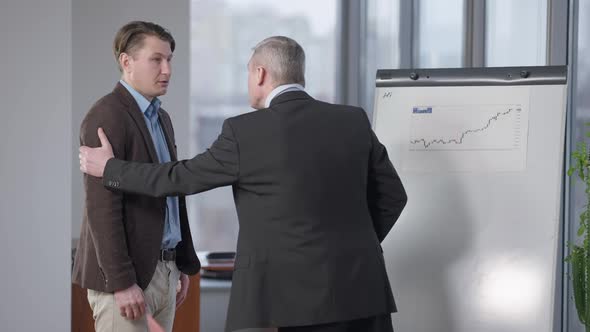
x=130, y=83
x=278, y=90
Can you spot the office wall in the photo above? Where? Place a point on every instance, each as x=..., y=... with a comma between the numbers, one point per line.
x=35, y=167
x=95, y=73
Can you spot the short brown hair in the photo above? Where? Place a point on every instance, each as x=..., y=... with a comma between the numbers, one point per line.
x=130, y=37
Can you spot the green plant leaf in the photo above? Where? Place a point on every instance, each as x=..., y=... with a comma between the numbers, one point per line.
x=578, y=262
x=581, y=230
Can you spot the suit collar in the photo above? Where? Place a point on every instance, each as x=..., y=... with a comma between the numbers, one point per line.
x=289, y=96
x=123, y=94
x=280, y=90
x=141, y=101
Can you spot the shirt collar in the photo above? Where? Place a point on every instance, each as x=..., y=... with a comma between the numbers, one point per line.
x=142, y=101
x=282, y=89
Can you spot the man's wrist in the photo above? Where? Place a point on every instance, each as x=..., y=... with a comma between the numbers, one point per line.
x=107, y=178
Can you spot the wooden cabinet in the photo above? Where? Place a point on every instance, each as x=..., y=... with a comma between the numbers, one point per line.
x=82, y=320
x=187, y=316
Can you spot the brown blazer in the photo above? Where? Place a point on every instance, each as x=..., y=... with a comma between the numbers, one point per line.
x=121, y=233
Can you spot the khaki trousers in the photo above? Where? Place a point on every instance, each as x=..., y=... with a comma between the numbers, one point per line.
x=160, y=300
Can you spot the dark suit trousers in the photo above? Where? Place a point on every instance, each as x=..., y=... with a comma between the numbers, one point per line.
x=372, y=324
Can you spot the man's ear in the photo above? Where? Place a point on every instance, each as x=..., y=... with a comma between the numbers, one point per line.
x=260, y=76
x=124, y=62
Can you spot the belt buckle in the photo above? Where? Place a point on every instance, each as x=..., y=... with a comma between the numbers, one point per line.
x=164, y=253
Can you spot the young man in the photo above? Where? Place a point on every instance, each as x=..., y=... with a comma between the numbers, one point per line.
x=134, y=249
x=315, y=193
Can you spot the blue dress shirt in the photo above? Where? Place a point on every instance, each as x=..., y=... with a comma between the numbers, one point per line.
x=150, y=111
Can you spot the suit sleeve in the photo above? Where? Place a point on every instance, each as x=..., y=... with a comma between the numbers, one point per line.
x=216, y=167
x=385, y=193
x=104, y=208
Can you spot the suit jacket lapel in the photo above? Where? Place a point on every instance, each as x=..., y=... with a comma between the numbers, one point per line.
x=167, y=129
x=137, y=116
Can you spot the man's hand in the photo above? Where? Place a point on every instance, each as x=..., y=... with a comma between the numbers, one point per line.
x=131, y=302
x=94, y=160
x=153, y=326
x=181, y=294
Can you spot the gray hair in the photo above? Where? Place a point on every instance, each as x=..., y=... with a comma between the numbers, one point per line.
x=283, y=58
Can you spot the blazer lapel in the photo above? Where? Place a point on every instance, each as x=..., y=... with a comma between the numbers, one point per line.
x=167, y=129
x=137, y=116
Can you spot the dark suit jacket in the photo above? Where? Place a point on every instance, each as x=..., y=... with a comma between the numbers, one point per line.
x=121, y=234
x=315, y=194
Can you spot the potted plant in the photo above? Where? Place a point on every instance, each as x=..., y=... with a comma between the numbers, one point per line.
x=579, y=255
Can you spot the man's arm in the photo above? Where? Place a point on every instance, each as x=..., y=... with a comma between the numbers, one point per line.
x=216, y=167
x=104, y=208
x=385, y=193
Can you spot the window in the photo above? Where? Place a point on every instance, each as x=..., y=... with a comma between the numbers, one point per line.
x=516, y=33
x=381, y=45
x=223, y=33
x=439, y=32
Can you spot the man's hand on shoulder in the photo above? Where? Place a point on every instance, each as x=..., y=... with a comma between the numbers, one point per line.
x=94, y=160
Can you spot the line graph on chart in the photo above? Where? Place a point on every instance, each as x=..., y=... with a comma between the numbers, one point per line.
x=467, y=127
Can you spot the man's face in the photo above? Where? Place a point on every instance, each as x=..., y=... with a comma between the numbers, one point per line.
x=149, y=68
